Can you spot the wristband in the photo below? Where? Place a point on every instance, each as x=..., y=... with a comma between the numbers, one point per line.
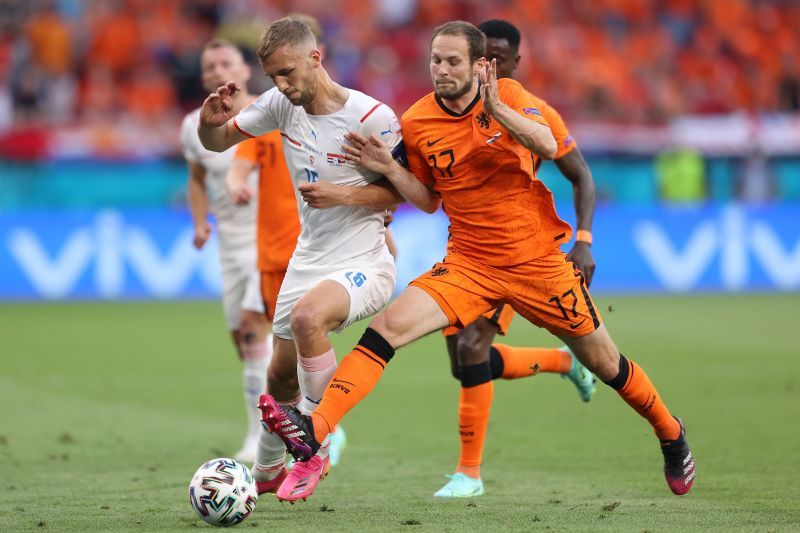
x=584, y=236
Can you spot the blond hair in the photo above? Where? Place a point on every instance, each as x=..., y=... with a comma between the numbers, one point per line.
x=283, y=31
x=312, y=23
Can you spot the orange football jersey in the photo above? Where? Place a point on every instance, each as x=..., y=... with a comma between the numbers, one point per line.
x=564, y=140
x=278, y=221
x=500, y=213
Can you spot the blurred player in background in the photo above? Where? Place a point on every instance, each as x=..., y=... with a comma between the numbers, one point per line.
x=468, y=348
x=469, y=147
x=341, y=270
x=221, y=61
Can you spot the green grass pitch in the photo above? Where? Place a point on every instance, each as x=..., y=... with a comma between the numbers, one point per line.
x=107, y=410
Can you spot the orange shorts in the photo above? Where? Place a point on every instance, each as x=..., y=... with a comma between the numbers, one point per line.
x=500, y=317
x=549, y=292
x=270, y=287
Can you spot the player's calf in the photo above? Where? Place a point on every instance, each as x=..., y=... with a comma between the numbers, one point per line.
x=282, y=381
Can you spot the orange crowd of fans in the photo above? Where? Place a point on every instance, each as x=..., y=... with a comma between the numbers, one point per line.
x=621, y=60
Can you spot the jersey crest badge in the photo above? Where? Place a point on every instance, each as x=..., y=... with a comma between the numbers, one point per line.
x=484, y=120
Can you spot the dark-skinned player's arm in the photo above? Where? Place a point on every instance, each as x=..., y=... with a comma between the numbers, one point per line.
x=574, y=167
x=374, y=154
x=533, y=135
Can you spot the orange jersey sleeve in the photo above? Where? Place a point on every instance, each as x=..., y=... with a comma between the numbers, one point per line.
x=249, y=150
x=500, y=214
x=564, y=140
x=517, y=98
x=417, y=164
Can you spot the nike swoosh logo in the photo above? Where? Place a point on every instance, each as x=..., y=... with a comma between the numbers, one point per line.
x=336, y=380
x=431, y=143
x=578, y=324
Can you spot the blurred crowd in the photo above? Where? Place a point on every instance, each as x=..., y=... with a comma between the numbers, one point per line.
x=638, y=61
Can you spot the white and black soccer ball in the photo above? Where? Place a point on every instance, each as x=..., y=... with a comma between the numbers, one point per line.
x=223, y=492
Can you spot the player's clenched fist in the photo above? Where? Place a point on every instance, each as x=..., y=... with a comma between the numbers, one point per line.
x=218, y=107
x=202, y=233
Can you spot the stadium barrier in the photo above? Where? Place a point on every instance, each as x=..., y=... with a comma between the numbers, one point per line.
x=147, y=254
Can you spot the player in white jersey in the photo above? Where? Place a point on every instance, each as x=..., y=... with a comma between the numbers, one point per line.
x=341, y=270
x=241, y=294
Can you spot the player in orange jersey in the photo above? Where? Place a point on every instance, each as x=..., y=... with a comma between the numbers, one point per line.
x=469, y=146
x=467, y=347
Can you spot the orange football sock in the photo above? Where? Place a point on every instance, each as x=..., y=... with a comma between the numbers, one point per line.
x=475, y=404
x=524, y=362
x=640, y=393
x=357, y=374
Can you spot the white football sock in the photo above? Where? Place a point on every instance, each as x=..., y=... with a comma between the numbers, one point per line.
x=256, y=359
x=314, y=373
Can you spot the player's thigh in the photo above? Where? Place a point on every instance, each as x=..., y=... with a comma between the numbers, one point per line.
x=369, y=287
x=412, y=315
x=295, y=285
x=551, y=294
x=463, y=290
x=322, y=308
x=597, y=352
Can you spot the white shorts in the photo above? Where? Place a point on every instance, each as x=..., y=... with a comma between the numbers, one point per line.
x=241, y=289
x=370, y=287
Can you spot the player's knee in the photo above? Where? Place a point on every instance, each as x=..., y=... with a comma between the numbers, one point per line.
x=247, y=336
x=470, y=351
x=252, y=327
x=389, y=327
x=602, y=361
x=605, y=366
x=473, y=345
x=306, y=321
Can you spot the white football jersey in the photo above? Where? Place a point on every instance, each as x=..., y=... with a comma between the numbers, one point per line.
x=236, y=224
x=312, y=146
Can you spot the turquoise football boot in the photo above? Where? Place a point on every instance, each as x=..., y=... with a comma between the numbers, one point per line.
x=338, y=440
x=580, y=376
x=460, y=486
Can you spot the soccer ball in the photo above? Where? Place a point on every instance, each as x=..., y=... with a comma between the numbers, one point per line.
x=223, y=492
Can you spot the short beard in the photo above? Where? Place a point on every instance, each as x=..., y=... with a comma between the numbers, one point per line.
x=456, y=94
